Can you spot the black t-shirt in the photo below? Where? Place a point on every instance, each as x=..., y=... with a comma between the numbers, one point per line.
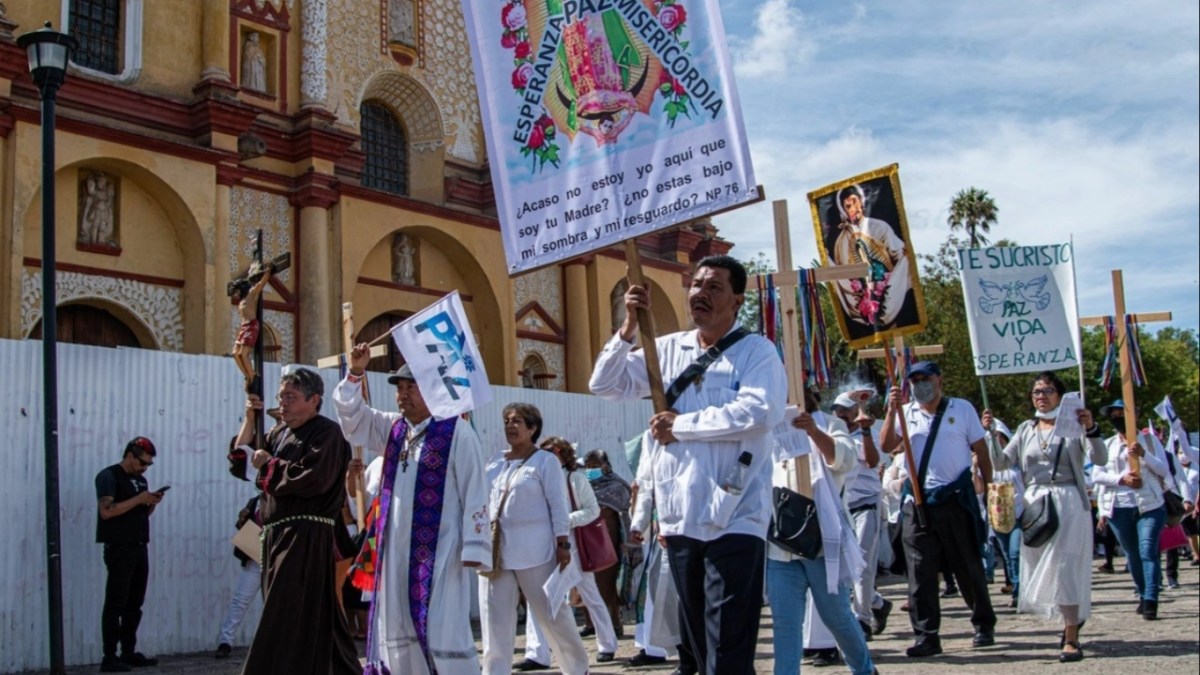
x=131, y=527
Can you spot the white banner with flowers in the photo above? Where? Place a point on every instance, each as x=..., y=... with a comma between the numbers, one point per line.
x=605, y=120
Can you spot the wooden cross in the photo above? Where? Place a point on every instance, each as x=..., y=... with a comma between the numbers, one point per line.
x=343, y=361
x=787, y=279
x=1118, y=284
x=278, y=264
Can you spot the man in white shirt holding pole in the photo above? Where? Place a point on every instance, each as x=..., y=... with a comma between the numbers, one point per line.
x=715, y=536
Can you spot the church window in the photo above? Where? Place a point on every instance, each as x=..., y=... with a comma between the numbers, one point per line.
x=386, y=150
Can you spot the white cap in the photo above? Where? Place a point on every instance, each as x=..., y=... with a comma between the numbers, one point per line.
x=845, y=400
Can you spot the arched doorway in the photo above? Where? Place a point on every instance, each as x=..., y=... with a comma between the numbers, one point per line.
x=91, y=325
x=376, y=327
x=534, y=373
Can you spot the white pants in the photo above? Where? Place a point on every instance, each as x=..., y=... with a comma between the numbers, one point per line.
x=866, y=530
x=248, y=581
x=500, y=630
x=536, y=648
x=816, y=633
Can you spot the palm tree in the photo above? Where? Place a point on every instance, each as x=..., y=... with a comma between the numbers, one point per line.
x=973, y=211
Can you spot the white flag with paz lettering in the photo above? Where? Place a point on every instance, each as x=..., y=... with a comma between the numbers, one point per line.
x=438, y=345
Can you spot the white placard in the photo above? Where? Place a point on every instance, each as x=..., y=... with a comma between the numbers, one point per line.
x=790, y=441
x=1021, y=308
x=561, y=581
x=605, y=120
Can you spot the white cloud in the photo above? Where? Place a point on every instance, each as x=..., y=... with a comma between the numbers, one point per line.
x=779, y=43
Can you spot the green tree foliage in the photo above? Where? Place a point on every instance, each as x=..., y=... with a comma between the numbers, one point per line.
x=974, y=212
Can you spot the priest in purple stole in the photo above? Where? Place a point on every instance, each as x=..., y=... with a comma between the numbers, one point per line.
x=427, y=526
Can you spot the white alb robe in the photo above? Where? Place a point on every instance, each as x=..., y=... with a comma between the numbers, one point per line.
x=463, y=536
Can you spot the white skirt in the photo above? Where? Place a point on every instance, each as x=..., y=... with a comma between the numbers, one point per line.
x=1056, y=578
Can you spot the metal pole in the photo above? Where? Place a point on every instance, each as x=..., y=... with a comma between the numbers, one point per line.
x=50, y=388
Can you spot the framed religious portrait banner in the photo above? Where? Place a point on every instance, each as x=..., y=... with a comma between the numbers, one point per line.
x=861, y=220
x=605, y=120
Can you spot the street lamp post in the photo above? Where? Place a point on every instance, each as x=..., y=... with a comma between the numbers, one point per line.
x=48, y=52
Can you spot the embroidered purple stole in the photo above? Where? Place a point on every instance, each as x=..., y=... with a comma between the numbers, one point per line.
x=426, y=522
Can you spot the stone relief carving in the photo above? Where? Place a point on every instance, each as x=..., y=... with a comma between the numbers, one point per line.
x=254, y=63
x=160, y=308
x=249, y=211
x=404, y=259
x=314, y=33
x=356, y=59
x=402, y=26
x=462, y=125
x=98, y=209
x=543, y=286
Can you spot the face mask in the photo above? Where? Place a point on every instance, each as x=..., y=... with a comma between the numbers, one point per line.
x=594, y=474
x=1048, y=415
x=923, y=391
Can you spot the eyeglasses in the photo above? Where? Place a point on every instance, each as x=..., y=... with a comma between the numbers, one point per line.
x=1045, y=392
x=143, y=462
x=289, y=397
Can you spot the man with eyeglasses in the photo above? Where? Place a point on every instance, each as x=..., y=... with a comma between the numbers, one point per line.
x=123, y=526
x=302, y=628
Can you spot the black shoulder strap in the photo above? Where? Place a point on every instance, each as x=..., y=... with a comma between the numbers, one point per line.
x=697, y=367
x=933, y=432
x=1057, y=456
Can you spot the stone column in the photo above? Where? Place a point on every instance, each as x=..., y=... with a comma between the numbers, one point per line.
x=579, y=330
x=315, y=285
x=215, y=46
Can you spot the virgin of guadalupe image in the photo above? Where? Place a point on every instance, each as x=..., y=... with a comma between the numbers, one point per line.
x=603, y=77
x=873, y=303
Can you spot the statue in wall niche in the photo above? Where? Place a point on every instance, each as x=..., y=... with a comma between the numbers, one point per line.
x=402, y=25
x=254, y=63
x=404, y=263
x=97, y=216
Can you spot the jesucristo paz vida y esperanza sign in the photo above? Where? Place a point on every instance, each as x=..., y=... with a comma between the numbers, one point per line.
x=1021, y=307
x=605, y=120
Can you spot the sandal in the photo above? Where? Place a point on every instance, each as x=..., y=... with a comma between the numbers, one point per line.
x=1070, y=657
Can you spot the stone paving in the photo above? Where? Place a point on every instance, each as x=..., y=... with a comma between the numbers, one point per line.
x=1116, y=641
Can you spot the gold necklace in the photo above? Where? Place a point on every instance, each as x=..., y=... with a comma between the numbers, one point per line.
x=1043, y=442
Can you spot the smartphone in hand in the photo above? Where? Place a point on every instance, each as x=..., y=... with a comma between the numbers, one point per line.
x=163, y=489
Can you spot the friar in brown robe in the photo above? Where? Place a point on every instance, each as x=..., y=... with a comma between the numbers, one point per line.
x=303, y=629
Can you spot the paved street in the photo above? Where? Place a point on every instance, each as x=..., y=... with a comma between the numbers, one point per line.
x=1116, y=641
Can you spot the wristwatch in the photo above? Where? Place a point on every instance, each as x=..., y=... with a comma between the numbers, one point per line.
x=564, y=545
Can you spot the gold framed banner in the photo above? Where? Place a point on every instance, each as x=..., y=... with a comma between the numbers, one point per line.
x=861, y=220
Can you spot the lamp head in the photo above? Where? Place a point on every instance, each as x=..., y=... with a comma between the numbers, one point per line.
x=49, y=52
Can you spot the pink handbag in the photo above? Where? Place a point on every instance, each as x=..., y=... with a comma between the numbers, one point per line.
x=593, y=541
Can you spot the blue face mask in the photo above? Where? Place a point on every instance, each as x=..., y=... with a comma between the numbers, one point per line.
x=594, y=474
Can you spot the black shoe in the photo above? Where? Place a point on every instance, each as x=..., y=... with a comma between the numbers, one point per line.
x=1012, y=602
x=1150, y=611
x=138, y=660
x=1141, y=606
x=223, y=651
x=926, y=647
x=950, y=592
x=1070, y=657
x=984, y=638
x=868, y=633
x=683, y=671
x=881, y=616
x=1106, y=568
x=604, y=657
x=826, y=657
x=643, y=659
x=587, y=631
x=528, y=665
x=112, y=664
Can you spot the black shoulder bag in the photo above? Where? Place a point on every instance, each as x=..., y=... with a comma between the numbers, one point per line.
x=696, y=368
x=795, y=527
x=1039, y=522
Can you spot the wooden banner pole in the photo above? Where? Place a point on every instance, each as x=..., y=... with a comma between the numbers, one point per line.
x=646, y=329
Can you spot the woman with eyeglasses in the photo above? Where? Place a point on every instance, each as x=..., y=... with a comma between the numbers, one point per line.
x=1056, y=577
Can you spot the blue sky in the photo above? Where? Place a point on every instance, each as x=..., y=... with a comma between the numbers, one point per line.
x=1079, y=120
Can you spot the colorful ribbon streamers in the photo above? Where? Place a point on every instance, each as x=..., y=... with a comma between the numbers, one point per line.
x=1110, y=352
x=1135, y=351
x=812, y=323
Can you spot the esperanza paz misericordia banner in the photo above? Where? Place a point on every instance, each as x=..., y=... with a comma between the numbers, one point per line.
x=1021, y=307
x=605, y=120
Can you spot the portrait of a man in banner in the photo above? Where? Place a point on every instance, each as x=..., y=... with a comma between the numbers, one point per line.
x=861, y=220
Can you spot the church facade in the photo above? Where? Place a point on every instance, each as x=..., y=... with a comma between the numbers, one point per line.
x=347, y=132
